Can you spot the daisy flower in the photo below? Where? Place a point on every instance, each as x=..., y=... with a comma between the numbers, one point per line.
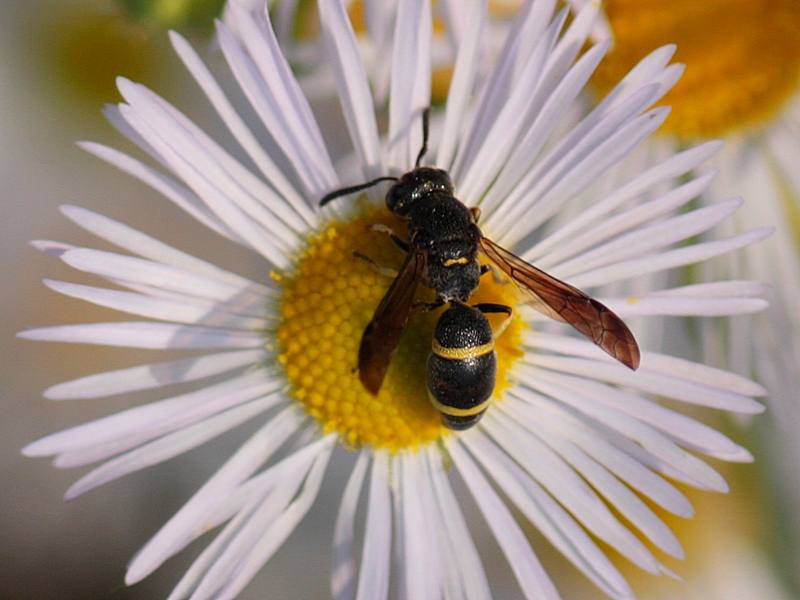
x=574, y=441
x=742, y=81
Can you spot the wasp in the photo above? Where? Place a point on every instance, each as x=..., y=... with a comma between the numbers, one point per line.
x=442, y=252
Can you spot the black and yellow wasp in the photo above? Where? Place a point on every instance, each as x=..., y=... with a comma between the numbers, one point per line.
x=444, y=242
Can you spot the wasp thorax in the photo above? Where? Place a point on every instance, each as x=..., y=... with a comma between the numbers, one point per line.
x=418, y=183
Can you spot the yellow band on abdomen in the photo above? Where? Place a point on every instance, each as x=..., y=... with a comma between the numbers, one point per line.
x=461, y=353
x=451, y=411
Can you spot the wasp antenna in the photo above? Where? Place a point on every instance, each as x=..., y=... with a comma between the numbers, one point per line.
x=426, y=116
x=354, y=188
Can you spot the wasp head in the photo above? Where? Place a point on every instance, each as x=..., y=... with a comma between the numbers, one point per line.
x=416, y=184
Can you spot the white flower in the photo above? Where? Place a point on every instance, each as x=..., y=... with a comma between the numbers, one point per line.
x=571, y=435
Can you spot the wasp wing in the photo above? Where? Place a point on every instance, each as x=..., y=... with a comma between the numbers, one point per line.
x=563, y=302
x=383, y=333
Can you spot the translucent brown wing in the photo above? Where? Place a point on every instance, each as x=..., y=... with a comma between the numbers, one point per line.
x=383, y=333
x=563, y=302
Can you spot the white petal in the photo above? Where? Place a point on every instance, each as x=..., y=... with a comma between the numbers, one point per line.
x=588, y=438
x=190, y=521
x=529, y=24
x=154, y=375
x=145, y=246
x=565, y=486
x=352, y=86
x=667, y=260
x=530, y=574
x=200, y=170
x=243, y=134
x=671, y=386
x=611, y=227
x=116, y=433
x=263, y=534
x=614, y=492
x=266, y=78
x=465, y=560
x=465, y=71
x=198, y=311
x=134, y=270
x=411, y=81
x=649, y=238
x=571, y=393
x=344, y=568
x=183, y=197
x=373, y=576
x=419, y=558
x=556, y=524
x=142, y=334
x=171, y=445
x=672, y=168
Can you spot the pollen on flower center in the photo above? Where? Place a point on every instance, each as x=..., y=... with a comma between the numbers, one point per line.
x=742, y=58
x=329, y=297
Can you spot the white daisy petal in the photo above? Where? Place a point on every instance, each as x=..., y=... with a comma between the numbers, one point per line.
x=411, y=81
x=148, y=247
x=191, y=520
x=502, y=138
x=529, y=24
x=674, y=167
x=204, y=312
x=171, y=445
x=649, y=238
x=266, y=81
x=659, y=446
x=373, y=575
x=555, y=522
x=625, y=501
x=667, y=260
x=528, y=570
x=134, y=270
x=177, y=193
x=465, y=559
x=464, y=73
x=420, y=560
x=352, y=86
x=262, y=534
x=567, y=488
x=187, y=160
x=143, y=334
x=154, y=375
x=621, y=464
x=122, y=431
x=244, y=136
x=344, y=569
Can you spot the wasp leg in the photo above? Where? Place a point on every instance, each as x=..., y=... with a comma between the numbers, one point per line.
x=427, y=306
x=384, y=229
x=476, y=213
x=488, y=307
x=382, y=270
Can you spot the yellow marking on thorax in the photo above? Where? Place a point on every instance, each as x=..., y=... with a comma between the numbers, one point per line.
x=456, y=261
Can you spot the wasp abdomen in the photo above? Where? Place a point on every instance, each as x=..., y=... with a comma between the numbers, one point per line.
x=462, y=366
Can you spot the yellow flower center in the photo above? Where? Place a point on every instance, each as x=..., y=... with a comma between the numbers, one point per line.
x=742, y=58
x=329, y=297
